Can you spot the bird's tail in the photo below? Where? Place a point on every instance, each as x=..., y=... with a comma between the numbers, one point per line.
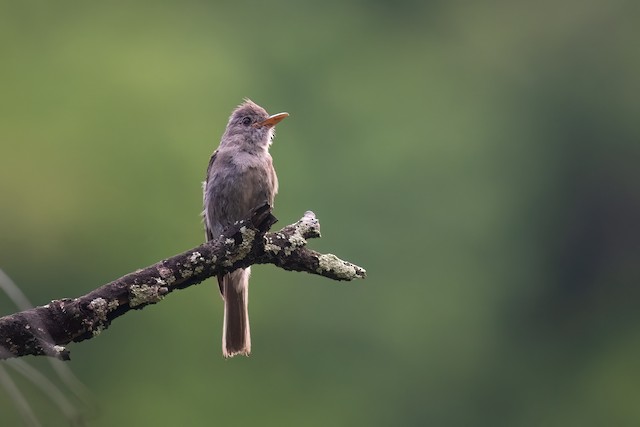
x=236, y=338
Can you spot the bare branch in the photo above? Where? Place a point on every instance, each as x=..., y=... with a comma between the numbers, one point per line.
x=45, y=330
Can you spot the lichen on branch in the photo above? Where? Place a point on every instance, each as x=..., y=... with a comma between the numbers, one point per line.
x=45, y=330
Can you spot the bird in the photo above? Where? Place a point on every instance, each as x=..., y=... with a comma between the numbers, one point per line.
x=240, y=178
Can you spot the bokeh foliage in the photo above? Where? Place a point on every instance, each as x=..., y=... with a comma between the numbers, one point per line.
x=480, y=159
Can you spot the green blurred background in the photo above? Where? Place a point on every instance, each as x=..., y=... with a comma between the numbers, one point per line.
x=480, y=159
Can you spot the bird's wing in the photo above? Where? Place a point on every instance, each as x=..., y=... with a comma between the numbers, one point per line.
x=208, y=232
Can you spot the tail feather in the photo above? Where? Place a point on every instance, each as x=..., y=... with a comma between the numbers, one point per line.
x=236, y=338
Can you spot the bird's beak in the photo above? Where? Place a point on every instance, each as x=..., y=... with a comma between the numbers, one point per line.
x=271, y=121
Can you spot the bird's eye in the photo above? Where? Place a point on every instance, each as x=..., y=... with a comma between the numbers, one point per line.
x=246, y=121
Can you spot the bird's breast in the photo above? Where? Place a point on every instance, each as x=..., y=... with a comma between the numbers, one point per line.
x=238, y=185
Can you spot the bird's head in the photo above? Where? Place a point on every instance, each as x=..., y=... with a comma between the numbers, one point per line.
x=251, y=126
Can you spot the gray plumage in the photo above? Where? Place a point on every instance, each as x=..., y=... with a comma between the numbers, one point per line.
x=240, y=178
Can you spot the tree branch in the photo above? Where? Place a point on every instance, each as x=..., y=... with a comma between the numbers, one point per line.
x=46, y=329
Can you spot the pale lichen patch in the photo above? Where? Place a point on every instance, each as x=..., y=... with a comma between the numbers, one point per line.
x=243, y=249
x=271, y=247
x=145, y=294
x=166, y=274
x=297, y=241
x=100, y=307
x=309, y=226
x=196, y=257
x=186, y=273
x=341, y=269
